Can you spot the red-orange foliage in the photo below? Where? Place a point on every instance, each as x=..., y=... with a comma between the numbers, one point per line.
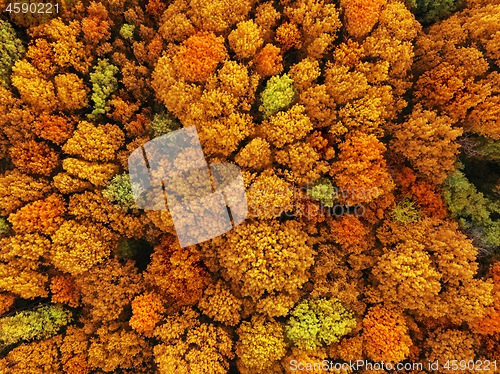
x=96, y=27
x=199, y=56
x=268, y=61
x=52, y=127
x=426, y=195
x=489, y=324
x=350, y=233
x=147, y=310
x=385, y=335
x=177, y=272
x=41, y=55
x=361, y=168
x=451, y=89
x=34, y=157
x=64, y=290
x=361, y=15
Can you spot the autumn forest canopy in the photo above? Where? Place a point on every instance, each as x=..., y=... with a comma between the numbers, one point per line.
x=388, y=106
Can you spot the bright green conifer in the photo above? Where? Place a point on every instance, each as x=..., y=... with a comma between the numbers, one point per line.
x=472, y=208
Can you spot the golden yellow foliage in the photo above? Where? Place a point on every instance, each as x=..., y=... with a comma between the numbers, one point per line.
x=277, y=305
x=287, y=127
x=266, y=17
x=220, y=304
x=304, y=161
x=43, y=216
x=267, y=256
x=450, y=344
x=416, y=283
x=218, y=15
x=255, y=155
x=6, y=302
x=318, y=104
x=175, y=24
x=16, y=189
x=320, y=23
x=67, y=184
x=310, y=361
x=189, y=345
x=71, y=91
x=67, y=49
x=74, y=347
x=348, y=53
x=95, y=206
x=23, y=256
x=288, y=36
x=19, y=278
x=260, y=344
x=116, y=346
x=34, y=89
x=95, y=143
x=77, y=246
x=246, y=39
x=33, y=358
x=234, y=78
x=96, y=173
x=173, y=92
x=222, y=127
x=304, y=73
x=268, y=195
